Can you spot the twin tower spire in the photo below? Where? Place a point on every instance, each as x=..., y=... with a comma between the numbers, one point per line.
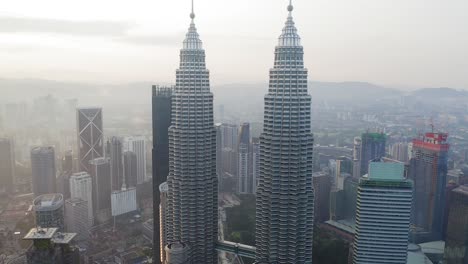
x=288, y=38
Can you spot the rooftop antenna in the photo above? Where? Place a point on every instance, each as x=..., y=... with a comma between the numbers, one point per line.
x=290, y=6
x=192, y=15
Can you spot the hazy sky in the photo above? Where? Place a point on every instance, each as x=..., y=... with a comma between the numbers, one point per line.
x=390, y=42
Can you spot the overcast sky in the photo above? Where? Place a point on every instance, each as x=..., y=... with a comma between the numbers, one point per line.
x=390, y=42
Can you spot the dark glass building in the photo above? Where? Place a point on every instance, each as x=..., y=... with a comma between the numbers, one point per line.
x=43, y=170
x=130, y=168
x=90, y=136
x=372, y=147
x=456, y=243
x=101, y=178
x=116, y=163
x=162, y=102
x=7, y=166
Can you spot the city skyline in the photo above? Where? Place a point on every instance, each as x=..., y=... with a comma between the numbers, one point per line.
x=391, y=41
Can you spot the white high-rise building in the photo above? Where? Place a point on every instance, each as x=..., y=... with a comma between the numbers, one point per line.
x=76, y=218
x=383, y=215
x=285, y=195
x=192, y=207
x=138, y=146
x=357, y=158
x=81, y=186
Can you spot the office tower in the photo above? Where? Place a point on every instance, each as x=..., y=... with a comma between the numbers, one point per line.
x=7, y=166
x=116, y=163
x=162, y=102
x=322, y=188
x=456, y=250
x=243, y=160
x=285, y=196
x=230, y=135
x=357, y=158
x=63, y=184
x=372, y=147
x=130, y=168
x=428, y=170
x=138, y=146
x=50, y=246
x=81, y=186
x=219, y=154
x=123, y=201
x=43, y=170
x=192, y=208
x=383, y=215
x=76, y=218
x=48, y=209
x=255, y=163
x=399, y=151
x=163, y=189
x=67, y=161
x=101, y=177
x=90, y=136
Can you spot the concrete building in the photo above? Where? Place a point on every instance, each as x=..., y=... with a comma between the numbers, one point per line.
x=399, y=151
x=372, y=147
x=161, y=104
x=244, y=163
x=322, y=187
x=255, y=163
x=138, y=146
x=81, y=186
x=428, y=170
x=193, y=185
x=456, y=243
x=90, y=136
x=77, y=219
x=101, y=178
x=130, y=168
x=357, y=157
x=123, y=201
x=163, y=190
x=43, y=170
x=7, y=166
x=177, y=253
x=383, y=215
x=285, y=195
x=116, y=163
x=49, y=212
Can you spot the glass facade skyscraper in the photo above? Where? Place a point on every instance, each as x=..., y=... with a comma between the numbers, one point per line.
x=285, y=196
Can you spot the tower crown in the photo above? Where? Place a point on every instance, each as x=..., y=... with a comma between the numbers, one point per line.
x=192, y=39
x=289, y=37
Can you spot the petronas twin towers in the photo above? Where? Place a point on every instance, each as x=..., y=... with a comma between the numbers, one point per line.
x=284, y=228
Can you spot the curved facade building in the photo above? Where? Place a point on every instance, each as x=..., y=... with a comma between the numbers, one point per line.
x=285, y=197
x=48, y=209
x=192, y=198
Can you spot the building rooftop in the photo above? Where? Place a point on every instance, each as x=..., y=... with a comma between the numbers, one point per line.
x=40, y=233
x=416, y=256
x=63, y=238
x=80, y=175
x=47, y=202
x=390, y=171
x=462, y=189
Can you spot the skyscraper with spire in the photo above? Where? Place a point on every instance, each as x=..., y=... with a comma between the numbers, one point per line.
x=192, y=213
x=285, y=196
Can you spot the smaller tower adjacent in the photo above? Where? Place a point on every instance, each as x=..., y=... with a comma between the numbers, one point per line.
x=383, y=215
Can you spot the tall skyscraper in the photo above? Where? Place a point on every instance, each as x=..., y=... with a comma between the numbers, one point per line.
x=90, y=136
x=357, y=157
x=285, y=196
x=255, y=163
x=67, y=161
x=116, y=163
x=163, y=189
x=130, y=168
x=399, y=151
x=101, y=177
x=383, y=215
x=192, y=209
x=76, y=218
x=43, y=170
x=138, y=146
x=81, y=187
x=456, y=243
x=428, y=170
x=162, y=102
x=372, y=147
x=7, y=166
x=244, y=160
x=48, y=209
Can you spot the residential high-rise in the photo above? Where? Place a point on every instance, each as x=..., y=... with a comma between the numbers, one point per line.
x=456, y=243
x=130, y=168
x=7, y=166
x=192, y=208
x=244, y=160
x=76, y=218
x=383, y=215
x=357, y=157
x=399, y=151
x=372, y=147
x=428, y=170
x=90, y=136
x=101, y=178
x=162, y=102
x=81, y=187
x=43, y=170
x=285, y=195
x=115, y=152
x=163, y=189
x=138, y=146
x=48, y=209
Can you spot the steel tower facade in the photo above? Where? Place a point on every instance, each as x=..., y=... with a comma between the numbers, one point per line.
x=285, y=196
x=192, y=208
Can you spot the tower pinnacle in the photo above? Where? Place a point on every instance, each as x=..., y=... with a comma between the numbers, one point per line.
x=192, y=15
x=290, y=6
